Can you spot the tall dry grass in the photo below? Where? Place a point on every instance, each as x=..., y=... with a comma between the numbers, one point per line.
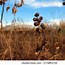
x=33, y=44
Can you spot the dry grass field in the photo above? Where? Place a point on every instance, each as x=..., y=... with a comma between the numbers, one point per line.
x=33, y=44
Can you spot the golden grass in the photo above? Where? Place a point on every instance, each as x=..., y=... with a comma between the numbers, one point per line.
x=47, y=44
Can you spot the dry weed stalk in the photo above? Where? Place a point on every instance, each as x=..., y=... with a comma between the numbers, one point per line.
x=38, y=20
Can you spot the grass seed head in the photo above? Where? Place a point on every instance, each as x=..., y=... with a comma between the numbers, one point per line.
x=1, y=2
x=42, y=26
x=37, y=30
x=18, y=5
x=63, y=3
x=7, y=8
x=41, y=18
x=36, y=24
x=36, y=14
x=14, y=10
x=22, y=1
x=35, y=19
